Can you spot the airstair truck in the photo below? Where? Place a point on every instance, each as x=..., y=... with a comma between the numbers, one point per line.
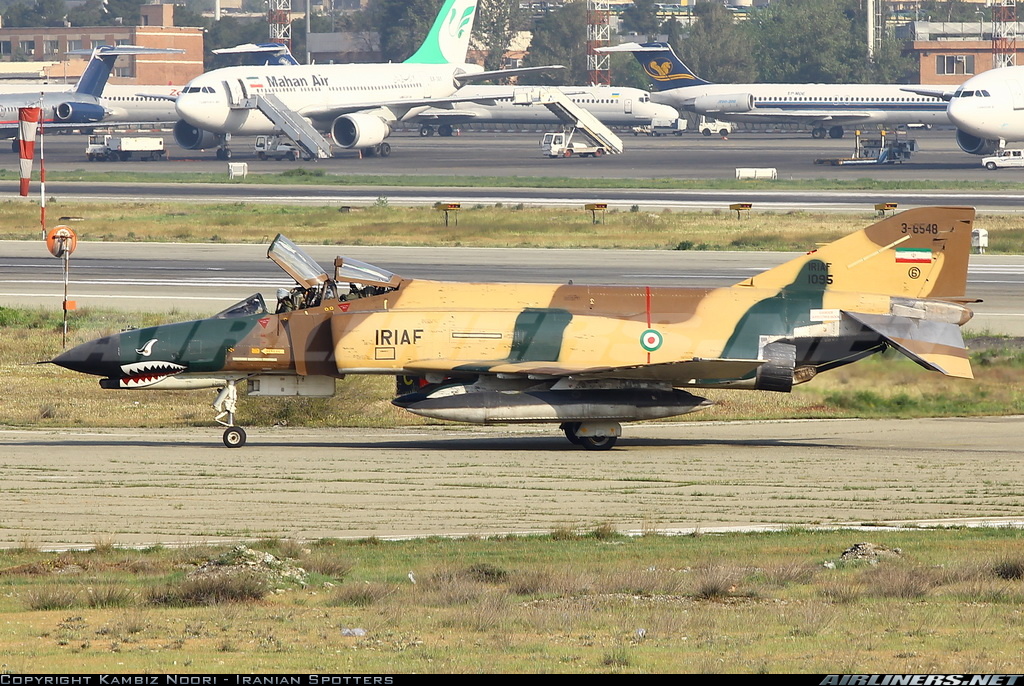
x=561, y=144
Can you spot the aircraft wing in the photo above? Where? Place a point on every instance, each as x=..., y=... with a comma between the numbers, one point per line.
x=502, y=73
x=397, y=106
x=941, y=93
x=676, y=373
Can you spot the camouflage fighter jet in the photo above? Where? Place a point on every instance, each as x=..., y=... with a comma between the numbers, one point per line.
x=583, y=357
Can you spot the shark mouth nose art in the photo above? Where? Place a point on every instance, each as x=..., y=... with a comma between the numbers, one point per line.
x=140, y=374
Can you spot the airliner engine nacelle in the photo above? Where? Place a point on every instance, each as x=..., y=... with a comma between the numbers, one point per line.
x=79, y=112
x=359, y=130
x=975, y=145
x=732, y=102
x=193, y=138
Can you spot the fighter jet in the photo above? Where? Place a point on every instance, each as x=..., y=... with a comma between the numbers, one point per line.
x=584, y=357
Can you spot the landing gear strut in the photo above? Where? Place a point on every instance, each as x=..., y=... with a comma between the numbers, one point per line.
x=225, y=404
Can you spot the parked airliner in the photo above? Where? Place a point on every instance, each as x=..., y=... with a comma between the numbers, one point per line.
x=826, y=108
x=82, y=105
x=988, y=110
x=613, y=106
x=355, y=103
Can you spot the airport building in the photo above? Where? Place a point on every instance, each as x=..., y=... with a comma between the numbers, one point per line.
x=24, y=50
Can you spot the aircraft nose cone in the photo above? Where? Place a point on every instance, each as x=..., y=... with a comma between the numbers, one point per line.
x=101, y=357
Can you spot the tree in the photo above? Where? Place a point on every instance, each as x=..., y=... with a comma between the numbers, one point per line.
x=497, y=22
x=560, y=37
x=401, y=24
x=642, y=17
x=40, y=13
x=716, y=49
x=811, y=41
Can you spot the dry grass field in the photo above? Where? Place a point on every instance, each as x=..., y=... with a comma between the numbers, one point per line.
x=572, y=601
x=478, y=226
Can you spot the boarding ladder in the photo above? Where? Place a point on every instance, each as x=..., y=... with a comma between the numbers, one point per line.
x=293, y=125
x=569, y=112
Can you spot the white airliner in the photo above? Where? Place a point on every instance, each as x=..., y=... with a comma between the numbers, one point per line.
x=612, y=106
x=84, y=105
x=826, y=108
x=355, y=103
x=988, y=110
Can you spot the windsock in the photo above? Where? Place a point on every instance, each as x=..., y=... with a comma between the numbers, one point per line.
x=28, y=123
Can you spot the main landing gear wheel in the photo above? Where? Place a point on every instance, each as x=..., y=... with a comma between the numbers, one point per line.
x=597, y=442
x=818, y=132
x=426, y=131
x=234, y=437
x=569, y=429
x=445, y=130
x=836, y=132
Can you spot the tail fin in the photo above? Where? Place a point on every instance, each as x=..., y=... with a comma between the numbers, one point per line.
x=94, y=78
x=920, y=253
x=661, y=63
x=448, y=40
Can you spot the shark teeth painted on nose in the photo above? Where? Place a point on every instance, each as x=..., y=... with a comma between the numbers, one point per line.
x=140, y=374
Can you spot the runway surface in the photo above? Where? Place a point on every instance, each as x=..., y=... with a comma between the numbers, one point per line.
x=480, y=154
x=74, y=487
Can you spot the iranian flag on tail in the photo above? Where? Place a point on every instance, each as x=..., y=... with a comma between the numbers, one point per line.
x=28, y=124
x=914, y=255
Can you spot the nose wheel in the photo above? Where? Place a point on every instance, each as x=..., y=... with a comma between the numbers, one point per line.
x=225, y=404
x=234, y=437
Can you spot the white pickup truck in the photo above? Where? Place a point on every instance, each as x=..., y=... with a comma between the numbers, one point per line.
x=103, y=147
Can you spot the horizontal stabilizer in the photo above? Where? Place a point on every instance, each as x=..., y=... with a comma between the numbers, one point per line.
x=938, y=346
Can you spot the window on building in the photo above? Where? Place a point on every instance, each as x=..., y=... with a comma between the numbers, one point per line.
x=5, y=48
x=74, y=44
x=954, y=64
x=27, y=46
x=51, y=47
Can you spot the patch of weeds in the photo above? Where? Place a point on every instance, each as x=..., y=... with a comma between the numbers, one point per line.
x=565, y=533
x=360, y=595
x=327, y=563
x=487, y=573
x=617, y=657
x=210, y=590
x=715, y=582
x=51, y=598
x=110, y=596
x=1009, y=568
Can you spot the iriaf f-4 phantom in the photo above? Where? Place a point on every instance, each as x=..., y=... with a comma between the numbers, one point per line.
x=584, y=357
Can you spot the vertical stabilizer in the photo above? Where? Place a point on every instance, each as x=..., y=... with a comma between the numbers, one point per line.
x=661, y=64
x=448, y=40
x=920, y=253
x=94, y=78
